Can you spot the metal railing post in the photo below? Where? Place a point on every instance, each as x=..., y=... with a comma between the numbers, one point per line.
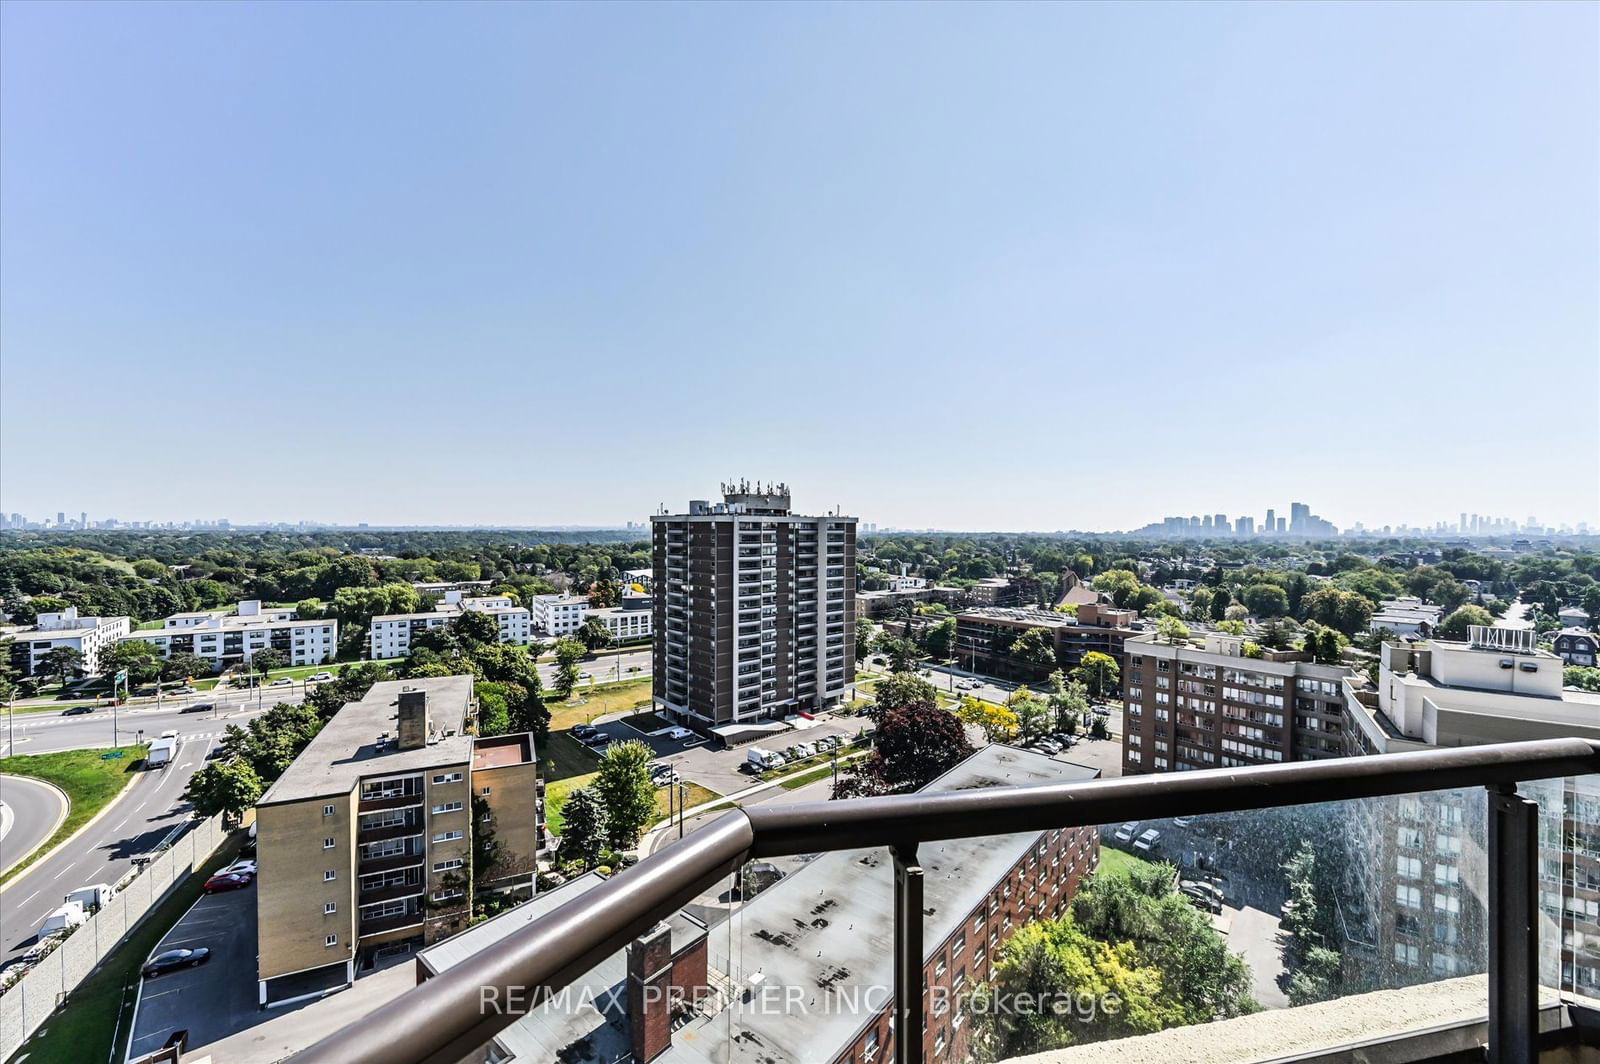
x=1513, y=926
x=908, y=883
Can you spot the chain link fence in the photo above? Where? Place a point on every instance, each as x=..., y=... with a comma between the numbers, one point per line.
x=27, y=1002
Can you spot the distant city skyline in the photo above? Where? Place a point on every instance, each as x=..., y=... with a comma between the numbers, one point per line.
x=1298, y=520
x=961, y=266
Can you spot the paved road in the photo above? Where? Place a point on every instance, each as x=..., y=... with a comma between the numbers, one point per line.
x=46, y=733
x=606, y=668
x=211, y=1001
x=143, y=815
x=31, y=811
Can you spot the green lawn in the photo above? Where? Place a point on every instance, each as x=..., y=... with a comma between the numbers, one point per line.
x=587, y=703
x=804, y=778
x=89, y=779
x=1120, y=862
x=555, y=798
x=565, y=757
x=97, y=1020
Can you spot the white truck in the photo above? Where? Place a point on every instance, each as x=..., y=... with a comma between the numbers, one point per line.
x=93, y=896
x=67, y=916
x=760, y=760
x=161, y=752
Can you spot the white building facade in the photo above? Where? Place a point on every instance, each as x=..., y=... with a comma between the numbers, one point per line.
x=390, y=635
x=559, y=615
x=87, y=635
x=231, y=638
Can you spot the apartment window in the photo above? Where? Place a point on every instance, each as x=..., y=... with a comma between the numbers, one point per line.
x=1405, y=953
x=331, y=940
x=329, y=876
x=330, y=908
x=1410, y=897
x=449, y=866
x=328, y=844
x=1409, y=867
x=447, y=777
x=1444, y=875
x=870, y=1050
x=486, y=791
x=447, y=807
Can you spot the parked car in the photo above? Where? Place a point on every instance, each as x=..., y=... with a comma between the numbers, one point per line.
x=186, y=689
x=679, y=733
x=199, y=707
x=173, y=959
x=227, y=881
x=240, y=868
x=1182, y=821
x=1045, y=746
x=319, y=677
x=661, y=775
x=1127, y=831
x=582, y=732
x=77, y=710
x=805, y=750
x=1101, y=711
x=1204, y=895
x=1148, y=841
x=282, y=681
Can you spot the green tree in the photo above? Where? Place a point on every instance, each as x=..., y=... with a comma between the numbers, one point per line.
x=1266, y=600
x=1231, y=627
x=1099, y=672
x=568, y=653
x=1172, y=630
x=583, y=828
x=268, y=659
x=1317, y=977
x=476, y=628
x=1035, y=647
x=594, y=634
x=623, y=786
x=942, y=639
x=142, y=660
x=1584, y=678
x=1343, y=611
x=230, y=786
x=1069, y=702
x=1325, y=645
x=486, y=848
x=903, y=689
x=1220, y=601
x=901, y=652
x=183, y=666
x=61, y=662
x=1032, y=712
x=1455, y=625
x=863, y=638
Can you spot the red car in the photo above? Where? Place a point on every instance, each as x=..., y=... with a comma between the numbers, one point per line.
x=226, y=881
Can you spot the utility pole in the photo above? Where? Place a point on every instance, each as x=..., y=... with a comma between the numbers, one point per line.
x=683, y=789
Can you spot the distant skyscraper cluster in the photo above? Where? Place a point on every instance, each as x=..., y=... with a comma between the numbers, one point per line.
x=1300, y=522
x=64, y=523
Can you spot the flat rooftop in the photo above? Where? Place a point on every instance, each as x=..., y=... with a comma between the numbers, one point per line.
x=826, y=928
x=346, y=749
x=502, y=750
x=1035, y=618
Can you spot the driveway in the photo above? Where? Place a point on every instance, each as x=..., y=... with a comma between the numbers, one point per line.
x=215, y=999
x=1254, y=933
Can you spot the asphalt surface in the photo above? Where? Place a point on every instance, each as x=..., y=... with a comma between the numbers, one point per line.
x=31, y=810
x=146, y=811
x=215, y=999
x=607, y=668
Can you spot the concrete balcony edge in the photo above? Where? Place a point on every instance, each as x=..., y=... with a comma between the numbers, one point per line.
x=1422, y=1022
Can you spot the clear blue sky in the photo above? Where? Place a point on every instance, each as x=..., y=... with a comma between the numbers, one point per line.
x=958, y=266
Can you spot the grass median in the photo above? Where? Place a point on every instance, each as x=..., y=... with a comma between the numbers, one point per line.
x=89, y=778
x=97, y=1019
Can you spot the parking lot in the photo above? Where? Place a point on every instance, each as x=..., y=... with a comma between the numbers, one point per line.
x=214, y=999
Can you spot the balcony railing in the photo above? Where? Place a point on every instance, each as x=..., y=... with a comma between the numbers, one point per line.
x=444, y=1020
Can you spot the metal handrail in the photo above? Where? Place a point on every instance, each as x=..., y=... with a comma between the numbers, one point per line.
x=443, y=1020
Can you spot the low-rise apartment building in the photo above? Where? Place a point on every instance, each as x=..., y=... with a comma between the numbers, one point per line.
x=87, y=635
x=994, y=591
x=229, y=638
x=1409, y=618
x=390, y=634
x=559, y=615
x=984, y=637
x=629, y=622
x=1577, y=646
x=365, y=842
x=1189, y=707
x=441, y=587
x=824, y=932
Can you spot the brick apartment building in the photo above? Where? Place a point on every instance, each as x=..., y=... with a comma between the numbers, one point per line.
x=754, y=609
x=825, y=931
x=365, y=841
x=984, y=636
x=1187, y=707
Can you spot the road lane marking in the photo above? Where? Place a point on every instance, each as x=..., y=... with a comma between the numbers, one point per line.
x=29, y=898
